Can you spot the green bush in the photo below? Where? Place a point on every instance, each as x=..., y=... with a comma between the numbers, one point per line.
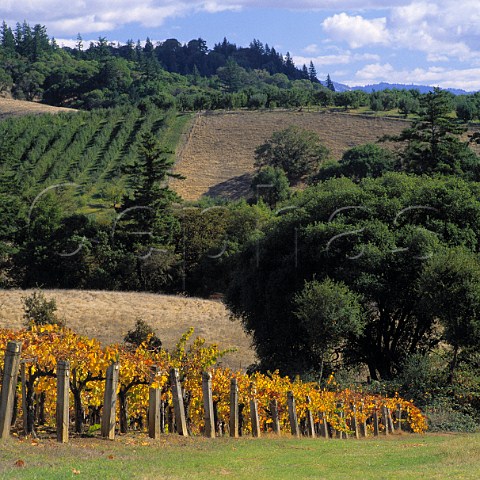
x=141, y=333
x=40, y=311
x=442, y=418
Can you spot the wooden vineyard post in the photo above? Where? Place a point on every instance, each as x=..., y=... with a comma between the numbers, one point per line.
x=154, y=404
x=385, y=419
x=9, y=385
x=23, y=376
x=170, y=419
x=292, y=414
x=356, y=433
x=310, y=423
x=110, y=402
x=254, y=412
x=390, y=421
x=208, y=405
x=178, y=406
x=63, y=401
x=363, y=423
x=234, y=413
x=375, y=421
x=398, y=418
x=324, y=426
x=275, y=419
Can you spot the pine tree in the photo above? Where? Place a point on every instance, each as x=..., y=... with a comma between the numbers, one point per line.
x=289, y=67
x=433, y=142
x=312, y=73
x=7, y=38
x=329, y=83
x=79, y=44
x=148, y=210
x=305, y=74
x=148, y=49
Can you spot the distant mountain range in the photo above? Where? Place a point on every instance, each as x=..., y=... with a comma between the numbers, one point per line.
x=340, y=87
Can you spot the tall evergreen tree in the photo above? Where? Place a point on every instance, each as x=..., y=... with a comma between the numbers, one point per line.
x=329, y=83
x=305, y=74
x=312, y=73
x=290, y=69
x=433, y=143
x=7, y=38
x=79, y=44
x=148, y=209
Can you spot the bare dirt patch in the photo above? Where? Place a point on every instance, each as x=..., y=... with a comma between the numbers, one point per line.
x=218, y=156
x=16, y=108
x=109, y=315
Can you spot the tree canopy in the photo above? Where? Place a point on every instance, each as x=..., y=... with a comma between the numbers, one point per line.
x=433, y=144
x=331, y=315
x=376, y=237
x=298, y=152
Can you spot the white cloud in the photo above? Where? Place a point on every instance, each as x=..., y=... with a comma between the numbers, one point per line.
x=317, y=5
x=444, y=29
x=312, y=48
x=375, y=72
x=344, y=58
x=415, y=12
x=356, y=30
x=95, y=15
x=467, y=78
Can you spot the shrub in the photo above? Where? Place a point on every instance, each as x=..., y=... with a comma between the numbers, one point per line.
x=142, y=332
x=40, y=311
x=271, y=184
x=442, y=418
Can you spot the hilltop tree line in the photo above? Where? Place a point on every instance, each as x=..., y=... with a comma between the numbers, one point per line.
x=189, y=76
x=185, y=76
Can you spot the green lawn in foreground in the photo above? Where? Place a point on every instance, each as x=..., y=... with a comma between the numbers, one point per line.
x=396, y=457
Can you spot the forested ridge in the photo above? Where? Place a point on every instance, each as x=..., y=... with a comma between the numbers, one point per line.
x=191, y=76
x=188, y=76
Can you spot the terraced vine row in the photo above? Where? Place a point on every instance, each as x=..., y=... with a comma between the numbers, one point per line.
x=85, y=148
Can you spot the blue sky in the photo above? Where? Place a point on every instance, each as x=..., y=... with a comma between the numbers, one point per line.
x=356, y=42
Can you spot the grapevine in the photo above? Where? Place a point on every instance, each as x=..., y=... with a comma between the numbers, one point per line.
x=43, y=346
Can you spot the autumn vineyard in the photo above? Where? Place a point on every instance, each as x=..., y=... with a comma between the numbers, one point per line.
x=266, y=402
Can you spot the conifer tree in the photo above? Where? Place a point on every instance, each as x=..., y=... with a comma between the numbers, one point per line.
x=148, y=209
x=312, y=73
x=329, y=83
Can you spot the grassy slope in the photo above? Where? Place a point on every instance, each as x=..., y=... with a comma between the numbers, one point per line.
x=218, y=157
x=398, y=457
x=215, y=152
x=109, y=315
x=15, y=108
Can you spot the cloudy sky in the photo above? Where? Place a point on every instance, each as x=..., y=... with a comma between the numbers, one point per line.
x=357, y=42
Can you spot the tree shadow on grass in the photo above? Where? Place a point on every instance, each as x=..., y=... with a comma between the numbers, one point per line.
x=234, y=188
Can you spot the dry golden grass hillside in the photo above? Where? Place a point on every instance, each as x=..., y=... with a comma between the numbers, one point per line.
x=109, y=315
x=15, y=108
x=218, y=155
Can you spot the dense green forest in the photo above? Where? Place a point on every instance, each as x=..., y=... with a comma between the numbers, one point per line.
x=368, y=263
x=190, y=76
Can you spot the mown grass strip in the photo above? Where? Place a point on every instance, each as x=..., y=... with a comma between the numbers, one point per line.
x=136, y=456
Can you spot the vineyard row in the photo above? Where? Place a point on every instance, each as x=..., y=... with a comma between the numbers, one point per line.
x=183, y=391
x=85, y=148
